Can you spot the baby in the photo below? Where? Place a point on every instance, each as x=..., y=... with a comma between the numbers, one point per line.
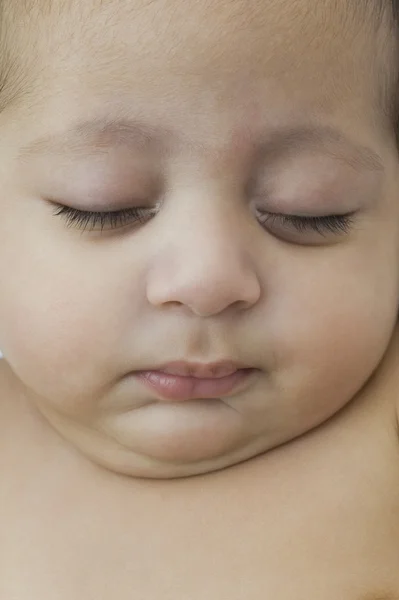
x=199, y=274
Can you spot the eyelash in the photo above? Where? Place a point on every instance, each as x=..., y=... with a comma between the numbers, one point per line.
x=336, y=224
x=114, y=219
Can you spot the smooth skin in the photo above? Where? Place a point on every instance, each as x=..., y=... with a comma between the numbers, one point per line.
x=212, y=118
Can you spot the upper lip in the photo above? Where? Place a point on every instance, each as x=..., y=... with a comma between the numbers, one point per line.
x=213, y=370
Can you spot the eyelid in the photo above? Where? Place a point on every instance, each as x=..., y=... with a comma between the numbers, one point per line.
x=321, y=225
x=118, y=218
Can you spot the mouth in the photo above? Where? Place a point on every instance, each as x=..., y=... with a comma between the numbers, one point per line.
x=181, y=381
x=213, y=370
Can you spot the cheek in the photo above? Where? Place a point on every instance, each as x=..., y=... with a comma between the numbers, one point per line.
x=59, y=327
x=331, y=332
x=66, y=307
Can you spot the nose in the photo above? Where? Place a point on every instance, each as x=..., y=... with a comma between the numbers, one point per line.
x=203, y=265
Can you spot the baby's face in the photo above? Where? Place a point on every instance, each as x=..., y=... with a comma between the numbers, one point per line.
x=213, y=118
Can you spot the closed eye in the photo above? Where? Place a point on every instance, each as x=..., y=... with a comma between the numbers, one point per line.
x=92, y=220
x=109, y=220
x=322, y=225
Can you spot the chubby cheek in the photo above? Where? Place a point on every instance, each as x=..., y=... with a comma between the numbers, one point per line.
x=59, y=333
x=329, y=343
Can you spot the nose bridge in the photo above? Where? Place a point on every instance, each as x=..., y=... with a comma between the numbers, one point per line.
x=211, y=230
x=205, y=263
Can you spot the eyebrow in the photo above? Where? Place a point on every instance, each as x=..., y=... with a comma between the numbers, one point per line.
x=83, y=136
x=330, y=140
x=89, y=136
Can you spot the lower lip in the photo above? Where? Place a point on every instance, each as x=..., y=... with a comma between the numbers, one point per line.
x=177, y=388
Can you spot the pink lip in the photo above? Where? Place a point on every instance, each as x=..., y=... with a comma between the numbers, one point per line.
x=185, y=381
x=201, y=370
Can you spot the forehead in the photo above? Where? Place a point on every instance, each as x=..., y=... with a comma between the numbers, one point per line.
x=205, y=63
x=201, y=38
x=213, y=25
